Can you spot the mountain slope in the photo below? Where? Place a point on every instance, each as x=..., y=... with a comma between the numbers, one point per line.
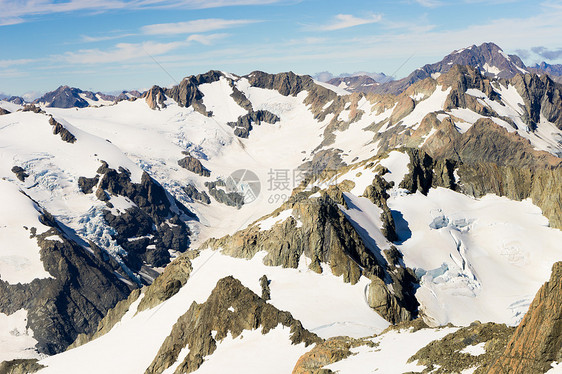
x=351, y=212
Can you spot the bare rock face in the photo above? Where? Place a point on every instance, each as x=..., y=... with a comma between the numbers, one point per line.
x=59, y=129
x=4, y=111
x=326, y=353
x=325, y=236
x=64, y=97
x=167, y=284
x=446, y=355
x=83, y=287
x=188, y=94
x=113, y=316
x=243, y=125
x=20, y=173
x=537, y=342
x=231, y=308
x=150, y=228
x=194, y=165
x=542, y=96
x=20, y=366
x=404, y=107
x=155, y=98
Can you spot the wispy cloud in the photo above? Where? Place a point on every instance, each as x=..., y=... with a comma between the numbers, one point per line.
x=93, y=39
x=344, y=21
x=192, y=27
x=7, y=63
x=207, y=39
x=14, y=12
x=429, y=3
x=123, y=52
x=120, y=53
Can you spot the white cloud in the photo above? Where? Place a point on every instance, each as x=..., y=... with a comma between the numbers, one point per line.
x=429, y=3
x=13, y=12
x=344, y=21
x=193, y=27
x=124, y=52
x=93, y=39
x=206, y=39
x=7, y=63
x=121, y=52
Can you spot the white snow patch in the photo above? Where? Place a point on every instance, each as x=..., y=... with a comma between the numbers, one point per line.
x=337, y=89
x=397, y=164
x=477, y=259
x=253, y=352
x=16, y=339
x=392, y=353
x=474, y=350
x=433, y=103
x=20, y=261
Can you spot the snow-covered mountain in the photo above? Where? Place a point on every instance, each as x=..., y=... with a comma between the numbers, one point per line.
x=70, y=97
x=295, y=226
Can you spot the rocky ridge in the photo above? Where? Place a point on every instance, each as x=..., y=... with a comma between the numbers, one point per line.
x=194, y=328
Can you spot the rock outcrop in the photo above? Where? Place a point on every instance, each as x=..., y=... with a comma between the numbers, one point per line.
x=537, y=342
x=319, y=230
x=194, y=165
x=450, y=355
x=27, y=366
x=4, y=111
x=230, y=309
x=155, y=98
x=243, y=125
x=59, y=129
x=20, y=173
x=83, y=287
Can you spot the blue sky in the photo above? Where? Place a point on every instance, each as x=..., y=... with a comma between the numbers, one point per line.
x=109, y=45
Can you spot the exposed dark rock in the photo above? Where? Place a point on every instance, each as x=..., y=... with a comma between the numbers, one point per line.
x=148, y=230
x=59, y=129
x=376, y=192
x=86, y=185
x=193, y=329
x=4, y=111
x=155, y=98
x=187, y=92
x=82, y=289
x=541, y=95
x=265, y=291
x=32, y=108
x=537, y=342
x=326, y=353
x=240, y=98
x=357, y=83
x=26, y=366
x=481, y=57
x=65, y=97
x=16, y=100
x=168, y=284
x=192, y=192
x=243, y=125
x=192, y=164
x=324, y=161
x=234, y=199
x=20, y=173
x=113, y=316
x=444, y=356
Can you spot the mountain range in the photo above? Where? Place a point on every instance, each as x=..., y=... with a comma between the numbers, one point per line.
x=276, y=223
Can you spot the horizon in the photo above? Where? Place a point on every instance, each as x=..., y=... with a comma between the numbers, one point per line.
x=110, y=46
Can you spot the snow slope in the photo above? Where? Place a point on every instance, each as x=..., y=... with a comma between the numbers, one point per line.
x=20, y=261
x=322, y=302
x=478, y=259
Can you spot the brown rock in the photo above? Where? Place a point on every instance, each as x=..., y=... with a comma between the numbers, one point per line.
x=537, y=342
